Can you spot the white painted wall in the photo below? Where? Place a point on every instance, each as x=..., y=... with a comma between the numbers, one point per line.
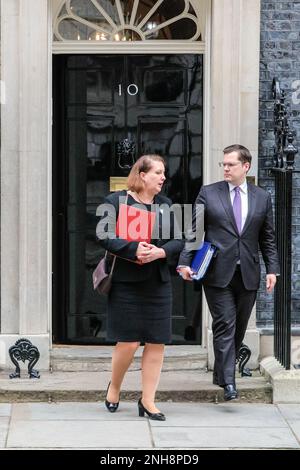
x=25, y=266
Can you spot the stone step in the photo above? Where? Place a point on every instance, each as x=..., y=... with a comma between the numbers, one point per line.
x=175, y=385
x=98, y=358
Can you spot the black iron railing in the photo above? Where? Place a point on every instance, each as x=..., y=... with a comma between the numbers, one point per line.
x=282, y=170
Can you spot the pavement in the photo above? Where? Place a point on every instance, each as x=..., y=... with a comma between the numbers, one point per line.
x=65, y=410
x=79, y=425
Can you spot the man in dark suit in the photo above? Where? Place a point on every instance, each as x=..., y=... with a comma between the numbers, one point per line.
x=238, y=221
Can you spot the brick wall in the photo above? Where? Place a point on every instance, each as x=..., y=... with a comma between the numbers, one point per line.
x=280, y=57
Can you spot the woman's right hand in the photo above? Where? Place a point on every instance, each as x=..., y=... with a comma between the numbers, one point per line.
x=142, y=250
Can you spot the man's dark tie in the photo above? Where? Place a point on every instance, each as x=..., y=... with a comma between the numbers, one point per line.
x=237, y=208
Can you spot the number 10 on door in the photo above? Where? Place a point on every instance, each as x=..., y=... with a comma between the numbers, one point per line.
x=132, y=89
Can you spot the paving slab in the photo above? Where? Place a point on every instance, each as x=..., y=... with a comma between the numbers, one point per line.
x=73, y=411
x=4, y=424
x=186, y=414
x=290, y=412
x=5, y=409
x=224, y=438
x=295, y=426
x=233, y=414
x=78, y=434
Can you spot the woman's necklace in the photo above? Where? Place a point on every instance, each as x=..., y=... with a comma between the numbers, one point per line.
x=143, y=202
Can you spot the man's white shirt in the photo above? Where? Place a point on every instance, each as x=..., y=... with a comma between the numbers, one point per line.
x=244, y=199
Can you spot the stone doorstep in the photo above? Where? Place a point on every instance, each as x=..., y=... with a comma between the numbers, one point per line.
x=98, y=358
x=74, y=376
x=102, y=366
x=194, y=386
x=285, y=383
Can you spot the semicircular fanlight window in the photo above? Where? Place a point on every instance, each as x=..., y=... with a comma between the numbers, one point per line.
x=126, y=20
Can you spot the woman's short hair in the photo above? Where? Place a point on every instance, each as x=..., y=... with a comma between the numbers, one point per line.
x=142, y=165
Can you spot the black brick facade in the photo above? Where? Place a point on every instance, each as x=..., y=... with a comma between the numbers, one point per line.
x=280, y=57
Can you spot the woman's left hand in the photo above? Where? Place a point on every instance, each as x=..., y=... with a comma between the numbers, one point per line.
x=152, y=255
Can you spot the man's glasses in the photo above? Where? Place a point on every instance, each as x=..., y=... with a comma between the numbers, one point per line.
x=230, y=165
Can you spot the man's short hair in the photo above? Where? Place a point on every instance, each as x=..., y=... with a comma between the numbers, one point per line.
x=244, y=154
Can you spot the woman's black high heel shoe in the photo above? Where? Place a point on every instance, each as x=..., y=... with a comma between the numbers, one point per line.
x=155, y=416
x=112, y=407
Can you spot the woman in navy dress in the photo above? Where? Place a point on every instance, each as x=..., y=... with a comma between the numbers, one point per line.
x=140, y=300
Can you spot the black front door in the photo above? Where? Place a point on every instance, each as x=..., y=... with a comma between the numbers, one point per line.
x=107, y=111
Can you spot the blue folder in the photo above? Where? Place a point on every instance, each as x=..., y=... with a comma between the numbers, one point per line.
x=202, y=260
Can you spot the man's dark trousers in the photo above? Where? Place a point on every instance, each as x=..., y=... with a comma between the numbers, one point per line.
x=230, y=308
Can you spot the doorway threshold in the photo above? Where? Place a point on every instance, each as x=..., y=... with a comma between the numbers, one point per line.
x=98, y=358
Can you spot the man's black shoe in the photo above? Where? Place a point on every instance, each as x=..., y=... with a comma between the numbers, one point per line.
x=230, y=392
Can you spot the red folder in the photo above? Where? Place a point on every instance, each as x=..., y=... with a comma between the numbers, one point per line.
x=134, y=224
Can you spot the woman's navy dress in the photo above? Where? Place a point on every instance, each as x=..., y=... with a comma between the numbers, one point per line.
x=140, y=300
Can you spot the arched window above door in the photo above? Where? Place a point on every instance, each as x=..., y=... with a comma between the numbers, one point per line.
x=127, y=20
